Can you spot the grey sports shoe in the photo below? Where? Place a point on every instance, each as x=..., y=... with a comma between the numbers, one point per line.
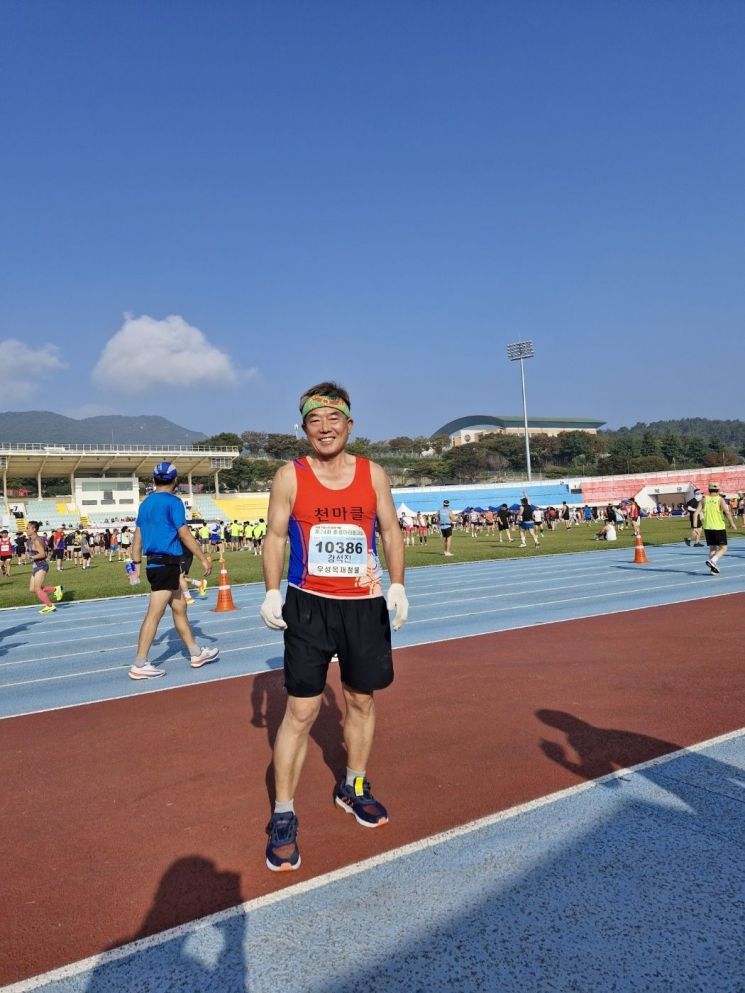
x=146, y=671
x=205, y=655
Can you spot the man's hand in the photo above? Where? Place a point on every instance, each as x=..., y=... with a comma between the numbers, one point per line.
x=271, y=611
x=398, y=601
x=206, y=565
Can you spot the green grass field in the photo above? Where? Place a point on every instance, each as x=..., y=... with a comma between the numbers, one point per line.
x=106, y=579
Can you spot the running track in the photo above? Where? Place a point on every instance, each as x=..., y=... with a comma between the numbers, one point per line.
x=521, y=686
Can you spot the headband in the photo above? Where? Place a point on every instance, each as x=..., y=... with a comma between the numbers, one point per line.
x=320, y=401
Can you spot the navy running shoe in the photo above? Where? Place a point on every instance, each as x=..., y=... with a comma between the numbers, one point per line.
x=358, y=800
x=282, y=853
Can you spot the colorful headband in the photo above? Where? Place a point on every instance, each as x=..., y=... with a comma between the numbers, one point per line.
x=320, y=401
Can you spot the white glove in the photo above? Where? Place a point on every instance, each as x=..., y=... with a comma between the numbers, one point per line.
x=271, y=611
x=397, y=601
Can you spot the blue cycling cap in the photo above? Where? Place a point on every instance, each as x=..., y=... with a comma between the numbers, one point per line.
x=165, y=472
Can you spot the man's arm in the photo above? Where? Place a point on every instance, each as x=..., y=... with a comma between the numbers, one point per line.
x=281, y=499
x=727, y=513
x=390, y=532
x=393, y=545
x=189, y=542
x=137, y=551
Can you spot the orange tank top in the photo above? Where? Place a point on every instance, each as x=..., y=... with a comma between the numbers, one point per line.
x=332, y=535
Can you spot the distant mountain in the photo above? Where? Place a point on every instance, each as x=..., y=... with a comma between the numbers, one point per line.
x=45, y=427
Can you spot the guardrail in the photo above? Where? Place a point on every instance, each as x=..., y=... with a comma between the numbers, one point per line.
x=12, y=449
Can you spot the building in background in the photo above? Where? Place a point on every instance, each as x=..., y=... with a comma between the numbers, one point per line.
x=466, y=430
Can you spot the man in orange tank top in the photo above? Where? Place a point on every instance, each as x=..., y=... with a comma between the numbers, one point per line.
x=331, y=505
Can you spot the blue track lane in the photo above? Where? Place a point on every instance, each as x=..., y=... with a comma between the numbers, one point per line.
x=80, y=654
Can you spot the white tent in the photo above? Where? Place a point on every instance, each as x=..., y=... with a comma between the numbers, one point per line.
x=673, y=493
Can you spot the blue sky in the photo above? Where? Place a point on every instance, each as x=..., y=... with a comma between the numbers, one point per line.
x=209, y=207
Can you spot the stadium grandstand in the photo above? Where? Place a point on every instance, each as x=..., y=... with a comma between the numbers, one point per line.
x=104, y=479
x=648, y=489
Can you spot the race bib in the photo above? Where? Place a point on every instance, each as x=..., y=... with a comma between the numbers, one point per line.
x=337, y=550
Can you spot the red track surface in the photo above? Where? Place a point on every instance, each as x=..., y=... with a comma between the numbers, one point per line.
x=124, y=818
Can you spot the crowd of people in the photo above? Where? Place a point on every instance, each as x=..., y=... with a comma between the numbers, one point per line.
x=517, y=522
x=78, y=547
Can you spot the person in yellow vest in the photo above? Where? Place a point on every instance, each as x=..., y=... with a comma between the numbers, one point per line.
x=236, y=536
x=204, y=537
x=259, y=535
x=248, y=534
x=713, y=513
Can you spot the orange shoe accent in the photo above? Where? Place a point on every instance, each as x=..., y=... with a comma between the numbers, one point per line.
x=224, y=596
x=640, y=555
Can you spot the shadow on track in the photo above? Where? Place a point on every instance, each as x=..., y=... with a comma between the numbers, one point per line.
x=268, y=700
x=210, y=958
x=595, y=893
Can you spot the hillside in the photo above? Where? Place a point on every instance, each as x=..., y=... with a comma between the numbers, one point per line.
x=729, y=432
x=44, y=426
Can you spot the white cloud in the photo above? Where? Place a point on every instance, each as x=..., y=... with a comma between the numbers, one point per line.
x=146, y=352
x=24, y=369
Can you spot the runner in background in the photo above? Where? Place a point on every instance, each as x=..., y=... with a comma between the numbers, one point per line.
x=162, y=534
x=37, y=551
x=693, y=506
x=447, y=519
x=713, y=513
x=7, y=551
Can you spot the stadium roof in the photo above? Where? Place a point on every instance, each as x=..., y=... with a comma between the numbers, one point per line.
x=22, y=460
x=503, y=422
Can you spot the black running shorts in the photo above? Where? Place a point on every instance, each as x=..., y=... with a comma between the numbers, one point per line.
x=358, y=631
x=163, y=577
x=715, y=539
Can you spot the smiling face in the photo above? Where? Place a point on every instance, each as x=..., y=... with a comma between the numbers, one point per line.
x=327, y=431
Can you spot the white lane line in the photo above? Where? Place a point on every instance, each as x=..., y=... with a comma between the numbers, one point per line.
x=356, y=869
x=545, y=604
x=90, y=672
x=126, y=648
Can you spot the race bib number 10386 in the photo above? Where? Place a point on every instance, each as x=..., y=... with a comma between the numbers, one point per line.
x=337, y=550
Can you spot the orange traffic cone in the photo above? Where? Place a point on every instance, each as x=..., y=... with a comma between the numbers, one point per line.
x=640, y=555
x=224, y=596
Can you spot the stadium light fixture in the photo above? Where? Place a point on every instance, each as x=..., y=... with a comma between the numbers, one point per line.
x=518, y=352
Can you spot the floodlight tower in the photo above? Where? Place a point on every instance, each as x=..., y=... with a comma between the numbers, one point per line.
x=520, y=351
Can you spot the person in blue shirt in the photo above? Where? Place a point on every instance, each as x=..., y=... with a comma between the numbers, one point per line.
x=161, y=534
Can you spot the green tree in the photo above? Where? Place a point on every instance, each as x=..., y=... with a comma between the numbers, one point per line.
x=625, y=446
x=466, y=462
x=226, y=439
x=575, y=443
x=671, y=446
x=254, y=442
x=440, y=442
x=695, y=451
x=360, y=446
x=240, y=476
x=649, y=444
x=402, y=444
x=286, y=446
